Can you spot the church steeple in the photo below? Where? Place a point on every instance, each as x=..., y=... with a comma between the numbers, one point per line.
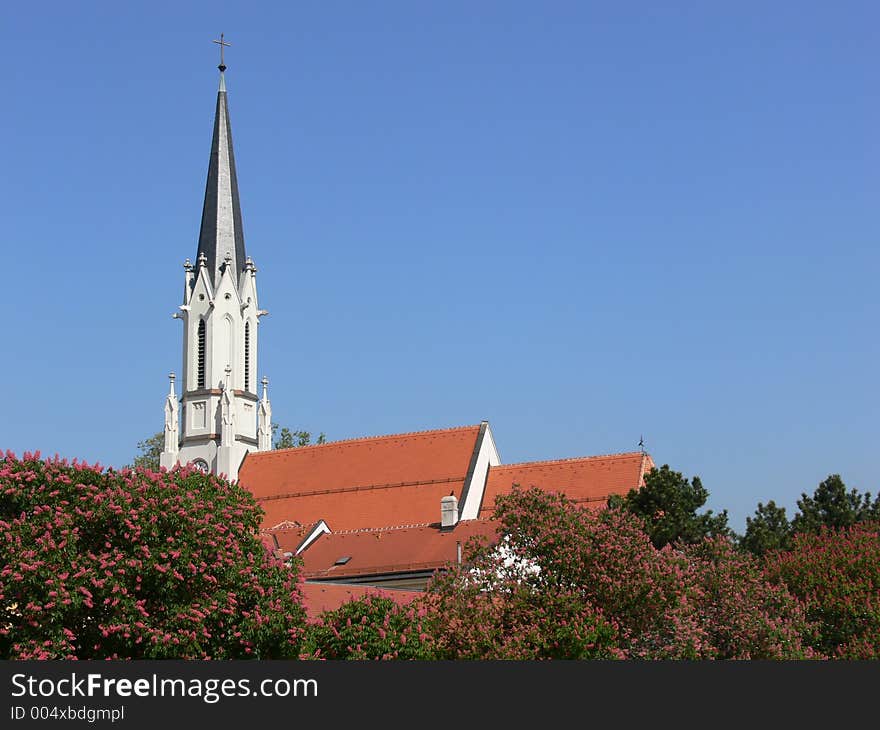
x=222, y=234
x=221, y=417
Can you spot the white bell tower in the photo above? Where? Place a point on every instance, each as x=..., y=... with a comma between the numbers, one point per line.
x=219, y=407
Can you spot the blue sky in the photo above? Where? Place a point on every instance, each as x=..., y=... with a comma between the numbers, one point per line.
x=581, y=221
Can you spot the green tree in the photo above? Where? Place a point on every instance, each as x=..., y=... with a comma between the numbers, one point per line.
x=150, y=449
x=668, y=505
x=833, y=506
x=288, y=439
x=768, y=530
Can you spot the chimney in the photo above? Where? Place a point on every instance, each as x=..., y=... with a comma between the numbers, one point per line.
x=448, y=512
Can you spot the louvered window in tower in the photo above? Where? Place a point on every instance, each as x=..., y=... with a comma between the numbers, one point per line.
x=247, y=355
x=200, y=357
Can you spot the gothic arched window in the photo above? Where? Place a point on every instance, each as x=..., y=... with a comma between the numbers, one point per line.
x=247, y=355
x=200, y=357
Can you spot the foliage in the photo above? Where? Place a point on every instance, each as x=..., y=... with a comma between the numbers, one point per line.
x=372, y=627
x=137, y=564
x=600, y=573
x=836, y=574
x=150, y=448
x=144, y=563
x=288, y=439
x=744, y=615
x=514, y=620
x=832, y=506
x=668, y=505
x=768, y=530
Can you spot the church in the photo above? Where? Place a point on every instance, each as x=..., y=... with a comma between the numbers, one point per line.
x=377, y=512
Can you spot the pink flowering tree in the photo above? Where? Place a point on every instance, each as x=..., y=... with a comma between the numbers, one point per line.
x=565, y=582
x=137, y=564
x=554, y=547
x=372, y=627
x=514, y=620
x=743, y=614
x=836, y=574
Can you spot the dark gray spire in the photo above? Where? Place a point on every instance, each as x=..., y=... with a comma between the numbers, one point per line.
x=221, y=235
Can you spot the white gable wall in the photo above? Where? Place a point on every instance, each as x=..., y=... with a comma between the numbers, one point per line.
x=486, y=456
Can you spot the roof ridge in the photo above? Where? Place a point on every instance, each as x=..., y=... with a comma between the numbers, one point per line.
x=291, y=525
x=569, y=459
x=387, y=528
x=429, y=432
x=390, y=528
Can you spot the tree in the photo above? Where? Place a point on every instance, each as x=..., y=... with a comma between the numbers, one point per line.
x=151, y=448
x=548, y=547
x=566, y=582
x=137, y=564
x=514, y=620
x=832, y=506
x=288, y=439
x=668, y=505
x=745, y=615
x=835, y=572
x=768, y=530
x=372, y=627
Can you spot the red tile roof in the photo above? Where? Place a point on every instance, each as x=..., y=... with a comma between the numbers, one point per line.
x=365, y=482
x=389, y=550
x=356, y=486
x=320, y=597
x=285, y=537
x=587, y=480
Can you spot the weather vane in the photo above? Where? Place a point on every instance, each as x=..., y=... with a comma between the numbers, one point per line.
x=222, y=43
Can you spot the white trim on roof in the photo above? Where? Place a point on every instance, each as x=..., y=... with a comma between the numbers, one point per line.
x=319, y=529
x=486, y=456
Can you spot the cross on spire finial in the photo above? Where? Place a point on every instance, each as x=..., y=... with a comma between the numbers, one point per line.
x=222, y=43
